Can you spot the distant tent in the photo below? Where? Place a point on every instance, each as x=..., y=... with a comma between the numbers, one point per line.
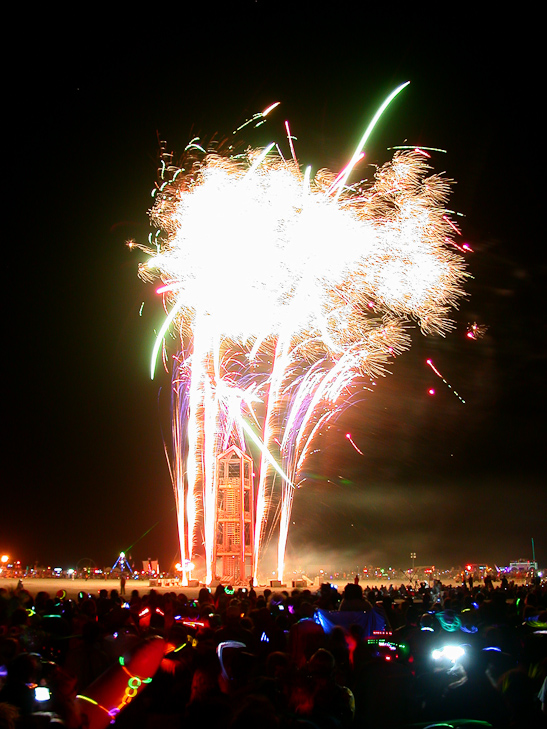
x=150, y=565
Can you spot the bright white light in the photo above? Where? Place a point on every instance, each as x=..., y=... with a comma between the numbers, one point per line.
x=41, y=693
x=451, y=652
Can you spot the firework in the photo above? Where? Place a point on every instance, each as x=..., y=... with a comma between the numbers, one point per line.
x=284, y=287
x=476, y=331
x=429, y=362
x=348, y=436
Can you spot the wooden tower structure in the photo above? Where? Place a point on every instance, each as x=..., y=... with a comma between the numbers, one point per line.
x=233, y=558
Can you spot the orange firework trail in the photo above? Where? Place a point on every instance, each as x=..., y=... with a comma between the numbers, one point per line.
x=283, y=287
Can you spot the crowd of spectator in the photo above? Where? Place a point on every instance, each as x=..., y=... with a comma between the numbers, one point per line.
x=321, y=659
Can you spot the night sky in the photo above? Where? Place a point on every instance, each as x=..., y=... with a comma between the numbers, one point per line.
x=86, y=474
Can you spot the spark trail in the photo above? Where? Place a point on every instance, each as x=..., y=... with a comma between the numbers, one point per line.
x=284, y=287
x=348, y=436
x=440, y=376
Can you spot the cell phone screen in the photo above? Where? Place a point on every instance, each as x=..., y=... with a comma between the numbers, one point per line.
x=42, y=693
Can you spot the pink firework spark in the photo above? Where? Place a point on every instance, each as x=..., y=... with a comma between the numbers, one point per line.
x=348, y=436
x=436, y=371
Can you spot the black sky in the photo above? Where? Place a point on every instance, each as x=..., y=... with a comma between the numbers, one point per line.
x=86, y=474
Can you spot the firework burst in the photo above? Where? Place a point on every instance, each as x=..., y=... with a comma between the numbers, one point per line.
x=283, y=288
